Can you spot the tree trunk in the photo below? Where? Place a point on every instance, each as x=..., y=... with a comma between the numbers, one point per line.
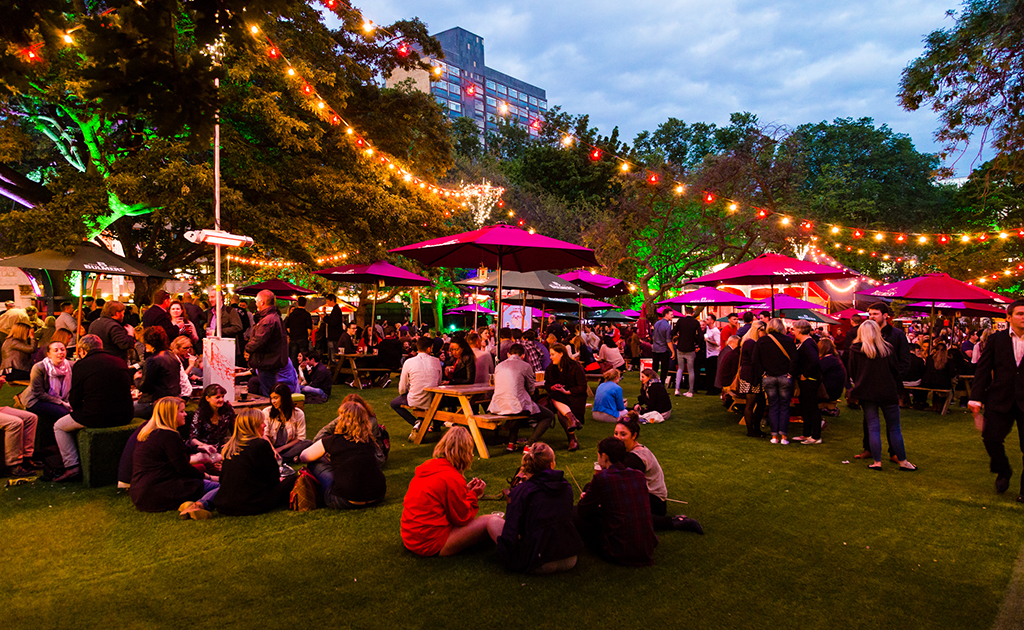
x=145, y=288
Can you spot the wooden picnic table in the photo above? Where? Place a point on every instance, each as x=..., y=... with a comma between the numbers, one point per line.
x=250, y=401
x=466, y=395
x=347, y=365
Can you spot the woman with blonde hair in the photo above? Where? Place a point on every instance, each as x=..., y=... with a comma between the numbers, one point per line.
x=538, y=535
x=17, y=352
x=380, y=435
x=746, y=384
x=345, y=462
x=609, y=405
x=162, y=476
x=250, y=480
x=439, y=515
x=875, y=374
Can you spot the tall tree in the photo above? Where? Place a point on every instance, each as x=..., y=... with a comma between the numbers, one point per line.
x=972, y=76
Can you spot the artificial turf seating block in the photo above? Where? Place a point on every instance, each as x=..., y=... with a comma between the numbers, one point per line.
x=99, y=451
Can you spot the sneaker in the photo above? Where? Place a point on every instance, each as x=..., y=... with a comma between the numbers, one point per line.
x=386, y=383
x=19, y=471
x=71, y=474
x=677, y=392
x=811, y=441
x=415, y=429
x=688, y=394
x=783, y=441
x=775, y=440
x=512, y=447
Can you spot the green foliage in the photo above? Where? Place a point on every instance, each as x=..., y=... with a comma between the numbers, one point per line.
x=466, y=139
x=972, y=76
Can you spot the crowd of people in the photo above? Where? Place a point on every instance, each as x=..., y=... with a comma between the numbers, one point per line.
x=112, y=369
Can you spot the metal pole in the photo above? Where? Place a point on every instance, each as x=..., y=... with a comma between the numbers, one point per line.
x=498, y=296
x=216, y=212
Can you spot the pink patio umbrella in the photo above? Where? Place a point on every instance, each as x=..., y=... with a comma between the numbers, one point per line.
x=773, y=269
x=707, y=296
x=280, y=288
x=601, y=286
x=379, y=274
x=965, y=308
x=499, y=247
x=631, y=313
x=594, y=305
x=937, y=287
x=787, y=302
x=849, y=313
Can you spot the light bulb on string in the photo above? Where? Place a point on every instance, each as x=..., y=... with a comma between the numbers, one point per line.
x=566, y=141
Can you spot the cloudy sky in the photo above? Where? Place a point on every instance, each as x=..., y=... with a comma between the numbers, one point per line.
x=635, y=63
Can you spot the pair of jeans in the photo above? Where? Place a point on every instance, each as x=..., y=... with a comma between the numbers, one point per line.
x=398, y=405
x=48, y=414
x=661, y=362
x=687, y=362
x=892, y=428
x=325, y=477
x=62, y=431
x=19, y=429
x=779, y=391
x=287, y=375
x=210, y=489
x=312, y=391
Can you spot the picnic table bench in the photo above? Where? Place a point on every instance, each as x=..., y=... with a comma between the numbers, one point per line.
x=466, y=395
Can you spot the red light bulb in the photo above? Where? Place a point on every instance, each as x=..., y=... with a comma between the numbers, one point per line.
x=521, y=223
x=273, y=52
x=595, y=155
x=857, y=234
x=470, y=90
x=709, y=198
x=307, y=89
x=943, y=239
x=653, y=178
x=983, y=237
x=403, y=49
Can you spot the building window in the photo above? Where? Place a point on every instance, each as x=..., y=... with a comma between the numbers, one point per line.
x=491, y=102
x=513, y=94
x=443, y=102
x=502, y=89
x=533, y=100
x=491, y=85
x=454, y=89
x=455, y=106
x=543, y=105
x=479, y=107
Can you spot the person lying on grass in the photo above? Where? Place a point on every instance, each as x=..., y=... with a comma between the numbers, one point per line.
x=538, y=535
x=439, y=516
x=345, y=462
x=250, y=479
x=639, y=457
x=162, y=476
x=614, y=514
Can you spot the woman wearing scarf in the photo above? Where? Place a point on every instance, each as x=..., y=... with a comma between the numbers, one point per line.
x=47, y=393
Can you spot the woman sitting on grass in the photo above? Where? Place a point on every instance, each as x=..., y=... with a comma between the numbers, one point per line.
x=381, y=439
x=345, y=462
x=609, y=405
x=250, y=481
x=286, y=424
x=639, y=457
x=439, y=513
x=213, y=423
x=162, y=477
x=653, y=395
x=538, y=535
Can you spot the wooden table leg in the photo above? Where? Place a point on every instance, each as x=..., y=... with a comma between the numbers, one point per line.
x=428, y=418
x=355, y=374
x=474, y=430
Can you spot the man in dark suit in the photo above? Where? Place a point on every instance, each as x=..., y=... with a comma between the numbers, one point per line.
x=331, y=326
x=157, y=315
x=997, y=396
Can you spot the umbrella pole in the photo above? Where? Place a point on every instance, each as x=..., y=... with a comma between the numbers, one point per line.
x=497, y=296
x=373, y=316
x=524, y=312
x=771, y=290
x=81, y=297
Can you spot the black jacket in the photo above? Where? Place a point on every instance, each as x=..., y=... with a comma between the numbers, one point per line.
x=250, y=482
x=570, y=375
x=299, y=324
x=687, y=334
x=162, y=477
x=807, y=364
x=115, y=338
x=539, y=523
x=654, y=397
x=901, y=349
x=833, y=375
x=155, y=315
x=101, y=391
x=998, y=380
x=876, y=379
x=333, y=324
x=771, y=360
x=161, y=376
x=268, y=346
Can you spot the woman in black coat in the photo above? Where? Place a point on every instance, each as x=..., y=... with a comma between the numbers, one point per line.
x=162, y=476
x=875, y=374
x=653, y=395
x=566, y=383
x=538, y=535
x=250, y=480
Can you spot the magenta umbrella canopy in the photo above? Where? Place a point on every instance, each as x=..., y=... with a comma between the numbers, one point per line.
x=849, y=313
x=374, y=273
x=937, y=287
x=631, y=313
x=471, y=308
x=499, y=247
x=708, y=297
x=964, y=308
x=783, y=301
x=601, y=286
x=280, y=288
x=590, y=303
x=773, y=269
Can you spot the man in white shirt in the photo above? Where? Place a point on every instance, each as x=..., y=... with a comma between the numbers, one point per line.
x=713, y=344
x=418, y=373
x=513, y=383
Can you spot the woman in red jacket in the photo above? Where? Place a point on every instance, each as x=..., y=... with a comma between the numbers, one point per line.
x=439, y=513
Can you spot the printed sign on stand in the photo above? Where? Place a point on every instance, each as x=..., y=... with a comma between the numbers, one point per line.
x=219, y=364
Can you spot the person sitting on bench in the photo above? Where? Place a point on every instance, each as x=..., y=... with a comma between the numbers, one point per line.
x=514, y=383
x=418, y=373
x=315, y=378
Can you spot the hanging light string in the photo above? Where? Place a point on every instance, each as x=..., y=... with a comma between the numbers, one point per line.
x=820, y=257
x=1013, y=271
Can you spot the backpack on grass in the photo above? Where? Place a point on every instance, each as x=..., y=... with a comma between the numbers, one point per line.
x=305, y=492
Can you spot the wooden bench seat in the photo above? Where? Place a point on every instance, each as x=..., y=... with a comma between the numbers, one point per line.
x=948, y=393
x=493, y=421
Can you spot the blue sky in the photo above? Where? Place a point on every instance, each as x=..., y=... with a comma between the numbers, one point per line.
x=636, y=63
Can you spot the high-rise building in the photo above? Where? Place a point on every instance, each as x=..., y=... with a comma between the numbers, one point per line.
x=464, y=86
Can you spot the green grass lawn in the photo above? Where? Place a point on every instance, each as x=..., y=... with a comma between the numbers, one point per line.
x=795, y=538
